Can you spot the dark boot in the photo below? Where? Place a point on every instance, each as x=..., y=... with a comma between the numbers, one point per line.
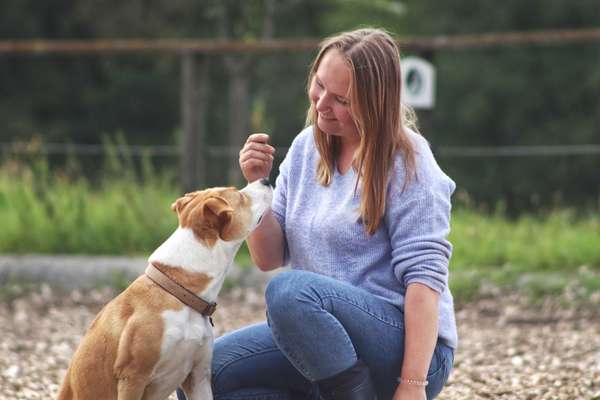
x=180, y=394
x=352, y=384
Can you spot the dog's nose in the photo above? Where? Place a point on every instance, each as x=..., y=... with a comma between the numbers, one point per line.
x=265, y=181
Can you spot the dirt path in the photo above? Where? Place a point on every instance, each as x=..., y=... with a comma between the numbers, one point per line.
x=508, y=350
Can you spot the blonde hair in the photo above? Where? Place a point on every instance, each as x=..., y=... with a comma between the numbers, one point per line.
x=375, y=85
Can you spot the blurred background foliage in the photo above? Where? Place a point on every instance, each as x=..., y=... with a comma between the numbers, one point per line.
x=520, y=222
x=534, y=95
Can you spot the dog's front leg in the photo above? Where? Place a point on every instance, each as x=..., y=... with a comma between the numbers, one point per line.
x=198, y=384
x=130, y=389
x=137, y=353
x=202, y=391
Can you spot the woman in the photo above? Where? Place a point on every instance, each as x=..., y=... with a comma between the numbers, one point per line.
x=361, y=212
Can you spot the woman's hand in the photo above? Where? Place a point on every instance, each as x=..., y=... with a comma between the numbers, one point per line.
x=410, y=392
x=256, y=157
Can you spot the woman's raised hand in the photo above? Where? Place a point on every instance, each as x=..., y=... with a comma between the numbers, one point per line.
x=256, y=157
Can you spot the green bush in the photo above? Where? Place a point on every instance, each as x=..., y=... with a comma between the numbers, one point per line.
x=57, y=213
x=539, y=255
x=129, y=213
x=556, y=241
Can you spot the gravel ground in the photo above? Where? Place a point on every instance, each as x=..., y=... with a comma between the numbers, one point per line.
x=509, y=348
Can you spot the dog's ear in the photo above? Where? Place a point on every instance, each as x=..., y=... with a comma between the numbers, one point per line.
x=217, y=213
x=181, y=202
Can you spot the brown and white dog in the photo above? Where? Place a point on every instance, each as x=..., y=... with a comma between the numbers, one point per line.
x=145, y=342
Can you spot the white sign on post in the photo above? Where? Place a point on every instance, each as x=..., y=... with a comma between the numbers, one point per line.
x=418, y=82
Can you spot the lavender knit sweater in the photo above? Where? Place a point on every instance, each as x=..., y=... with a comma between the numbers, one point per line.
x=323, y=234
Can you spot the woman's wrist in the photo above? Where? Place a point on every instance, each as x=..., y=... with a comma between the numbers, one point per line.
x=405, y=391
x=413, y=382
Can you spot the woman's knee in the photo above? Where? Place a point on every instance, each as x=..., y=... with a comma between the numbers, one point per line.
x=282, y=293
x=281, y=288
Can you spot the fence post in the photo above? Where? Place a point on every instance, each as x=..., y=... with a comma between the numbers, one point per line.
x=194, y=71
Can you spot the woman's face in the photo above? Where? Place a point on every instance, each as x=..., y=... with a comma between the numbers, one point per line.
x=329, y=95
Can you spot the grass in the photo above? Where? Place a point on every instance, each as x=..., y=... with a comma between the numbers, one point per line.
x=128, y=213
x=123, y=213
x=539, y=255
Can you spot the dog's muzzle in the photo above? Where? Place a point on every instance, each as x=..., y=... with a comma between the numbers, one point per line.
x=265, y=182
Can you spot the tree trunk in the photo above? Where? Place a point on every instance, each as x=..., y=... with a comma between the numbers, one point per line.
x=194, y=73
x=239, y=113
x=239, y=68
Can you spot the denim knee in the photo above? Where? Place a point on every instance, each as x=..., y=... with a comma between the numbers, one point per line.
x=280, y=293
x=288, y=296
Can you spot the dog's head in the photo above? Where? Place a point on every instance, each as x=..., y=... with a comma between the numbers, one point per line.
x=223, y=213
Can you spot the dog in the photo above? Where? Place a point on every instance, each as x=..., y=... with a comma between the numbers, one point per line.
x=146, y=342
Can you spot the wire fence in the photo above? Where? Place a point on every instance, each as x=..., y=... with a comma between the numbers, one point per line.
x=19, y=148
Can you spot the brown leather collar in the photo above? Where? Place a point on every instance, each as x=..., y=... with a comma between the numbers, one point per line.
x=170, y=285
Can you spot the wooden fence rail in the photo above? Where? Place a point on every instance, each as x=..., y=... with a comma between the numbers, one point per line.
x=194, y=69
x=206, y=46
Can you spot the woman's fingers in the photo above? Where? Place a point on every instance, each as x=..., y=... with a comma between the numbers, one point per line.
x=258, y=137
x=254, y=154
x=256, y=157
x=255, y=146
x=259, y=141
x=255, y=164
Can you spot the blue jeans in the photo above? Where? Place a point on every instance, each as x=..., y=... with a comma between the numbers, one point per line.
x=317, y=327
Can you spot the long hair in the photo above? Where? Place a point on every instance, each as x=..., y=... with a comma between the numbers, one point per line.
x=380, y=117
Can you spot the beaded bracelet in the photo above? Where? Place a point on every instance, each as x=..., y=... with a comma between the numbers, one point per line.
x=413, y=382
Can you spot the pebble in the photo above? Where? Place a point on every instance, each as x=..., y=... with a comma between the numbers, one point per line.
x=508, y=349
